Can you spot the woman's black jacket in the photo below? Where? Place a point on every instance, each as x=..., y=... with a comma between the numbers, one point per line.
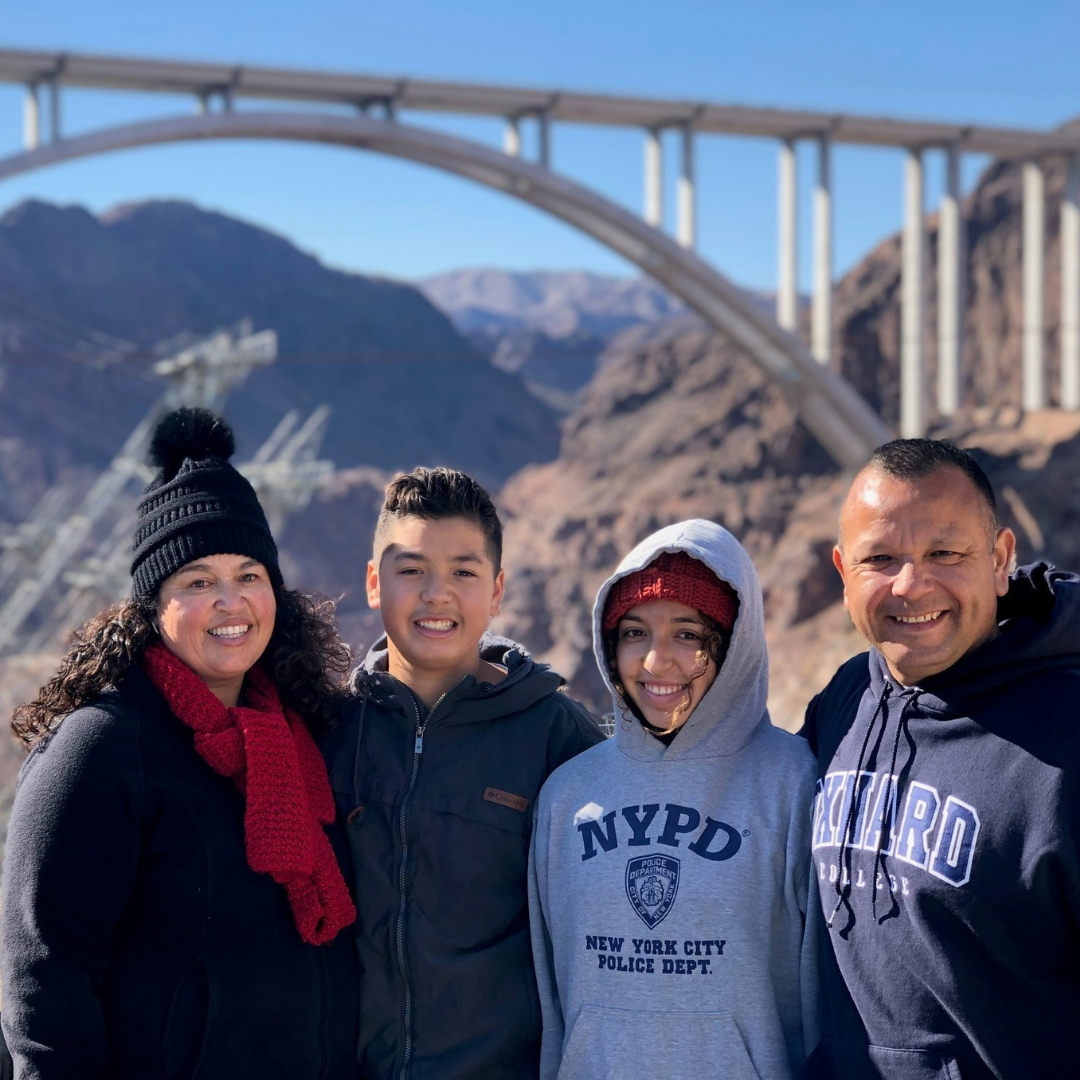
x=137, y=944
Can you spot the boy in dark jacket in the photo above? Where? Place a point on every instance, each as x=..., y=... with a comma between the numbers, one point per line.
x=435, y=768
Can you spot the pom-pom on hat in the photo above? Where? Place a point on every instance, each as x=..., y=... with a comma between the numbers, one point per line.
x=673, y=575
x=197, y=505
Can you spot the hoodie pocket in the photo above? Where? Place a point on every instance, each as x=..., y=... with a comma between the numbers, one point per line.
x=610, y=1044
x=185, y=1028
x=836, y=1060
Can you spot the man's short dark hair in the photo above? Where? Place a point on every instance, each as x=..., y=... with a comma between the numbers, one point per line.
x=435, y=494
x=912, y=459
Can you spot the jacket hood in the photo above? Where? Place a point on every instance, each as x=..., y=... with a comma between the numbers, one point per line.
x=526, y=682
x=1039, y=630
x=735, y=705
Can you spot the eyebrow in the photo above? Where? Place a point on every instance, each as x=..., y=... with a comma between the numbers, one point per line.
x=416, y=556
x=693, y=620
x=205, y=568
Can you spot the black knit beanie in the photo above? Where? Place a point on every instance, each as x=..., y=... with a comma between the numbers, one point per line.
x=197, y=505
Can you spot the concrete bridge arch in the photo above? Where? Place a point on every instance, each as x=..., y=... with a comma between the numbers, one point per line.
x=829, y=407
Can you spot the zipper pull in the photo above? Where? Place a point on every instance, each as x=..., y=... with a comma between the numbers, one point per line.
x=418, y=748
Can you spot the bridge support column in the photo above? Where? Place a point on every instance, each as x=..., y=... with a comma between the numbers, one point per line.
x=31, y=117
x=912, y=286
x=1034, y=375
x=686, y=223
x=1070, y=286
x=543, y=121
x=202, y=103
x=952, y=292
x=54, y=110
x=787, y=219
x=654, y=179
x=512, y=137
x=821, y=311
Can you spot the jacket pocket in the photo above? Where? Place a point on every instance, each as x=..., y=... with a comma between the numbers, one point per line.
x=836, y=1060
x=611, y=1044
x=186, y=1026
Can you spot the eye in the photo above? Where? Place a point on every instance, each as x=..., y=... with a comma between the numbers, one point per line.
x=249, y=576
x=199, y=583
x=688, y=635
x=631, y=632
x=946, y=556
x=409, y=571
x=464, y=573
x=875, y=560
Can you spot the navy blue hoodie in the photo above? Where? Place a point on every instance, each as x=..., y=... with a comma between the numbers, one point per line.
x=964, y=961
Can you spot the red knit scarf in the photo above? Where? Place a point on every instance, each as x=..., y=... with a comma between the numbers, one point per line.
x=270, y=755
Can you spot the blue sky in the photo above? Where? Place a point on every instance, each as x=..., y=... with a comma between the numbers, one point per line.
x=992, y=62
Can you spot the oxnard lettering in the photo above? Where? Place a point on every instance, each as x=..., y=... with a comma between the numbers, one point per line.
x=935, y=834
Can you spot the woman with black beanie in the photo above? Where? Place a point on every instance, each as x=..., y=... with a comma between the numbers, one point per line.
x=172, y=900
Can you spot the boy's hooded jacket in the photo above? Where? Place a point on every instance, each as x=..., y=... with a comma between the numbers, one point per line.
x=965, y=960
x=438, y=810
x=668, y=884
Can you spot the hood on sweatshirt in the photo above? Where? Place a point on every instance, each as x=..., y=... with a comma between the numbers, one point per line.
x=526, y=682
x=735, y=705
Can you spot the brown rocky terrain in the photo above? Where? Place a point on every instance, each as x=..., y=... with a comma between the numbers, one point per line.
x=678, y=424
x=868, y=310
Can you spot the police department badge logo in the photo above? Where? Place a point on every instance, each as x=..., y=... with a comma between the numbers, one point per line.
x=651, y=884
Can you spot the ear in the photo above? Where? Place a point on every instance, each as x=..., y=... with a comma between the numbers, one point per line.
x=1004, y=558
x=497, y=593
x=373, y=585
x=838, y=562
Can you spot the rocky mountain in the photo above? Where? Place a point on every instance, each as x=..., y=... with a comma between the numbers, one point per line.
x=551, y=327
x=867, y=301
x=556, y=303
x=678, y=423
x=84, y=300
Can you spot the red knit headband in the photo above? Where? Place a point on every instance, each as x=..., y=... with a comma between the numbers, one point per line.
x=673, y=575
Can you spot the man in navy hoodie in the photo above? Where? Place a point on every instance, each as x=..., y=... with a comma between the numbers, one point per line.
x=947, y=819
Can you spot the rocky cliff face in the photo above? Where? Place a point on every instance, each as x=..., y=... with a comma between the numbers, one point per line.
x=867, y=301
x=677, y=424
x=83, y=299
x=681, y=427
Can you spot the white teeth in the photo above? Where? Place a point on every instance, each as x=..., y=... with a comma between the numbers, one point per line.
x=918, y=618
x=662, y=691
x=436, y=624
x=230, y=631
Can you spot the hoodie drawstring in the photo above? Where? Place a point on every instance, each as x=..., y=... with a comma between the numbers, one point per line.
x=843, y=891
x=890, y=805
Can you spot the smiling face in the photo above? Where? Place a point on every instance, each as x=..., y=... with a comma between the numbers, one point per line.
x=661, y=661
x=436, y=587
x=922, y=573
x=217, y=614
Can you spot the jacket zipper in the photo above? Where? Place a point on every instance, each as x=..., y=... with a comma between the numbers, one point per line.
x=418, y=749
x=324, y=1019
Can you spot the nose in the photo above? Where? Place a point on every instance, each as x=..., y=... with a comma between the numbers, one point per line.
x=230, y=597
x=658, y=658
x=911, y=581
x=435, y=590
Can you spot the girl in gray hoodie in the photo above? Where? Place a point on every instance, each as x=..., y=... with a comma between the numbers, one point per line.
x=670, y=865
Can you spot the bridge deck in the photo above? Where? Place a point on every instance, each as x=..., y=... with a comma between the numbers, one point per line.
x=283, y=84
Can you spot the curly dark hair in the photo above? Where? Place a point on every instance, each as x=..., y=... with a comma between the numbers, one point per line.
x=305, y=656
x=714, y=647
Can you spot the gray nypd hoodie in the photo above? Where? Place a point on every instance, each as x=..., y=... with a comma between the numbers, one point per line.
x=668, y=884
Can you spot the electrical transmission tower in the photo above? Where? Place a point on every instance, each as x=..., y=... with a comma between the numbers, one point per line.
x=285, y=472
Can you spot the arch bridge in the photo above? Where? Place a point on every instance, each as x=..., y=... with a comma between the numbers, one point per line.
x=829, y=407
